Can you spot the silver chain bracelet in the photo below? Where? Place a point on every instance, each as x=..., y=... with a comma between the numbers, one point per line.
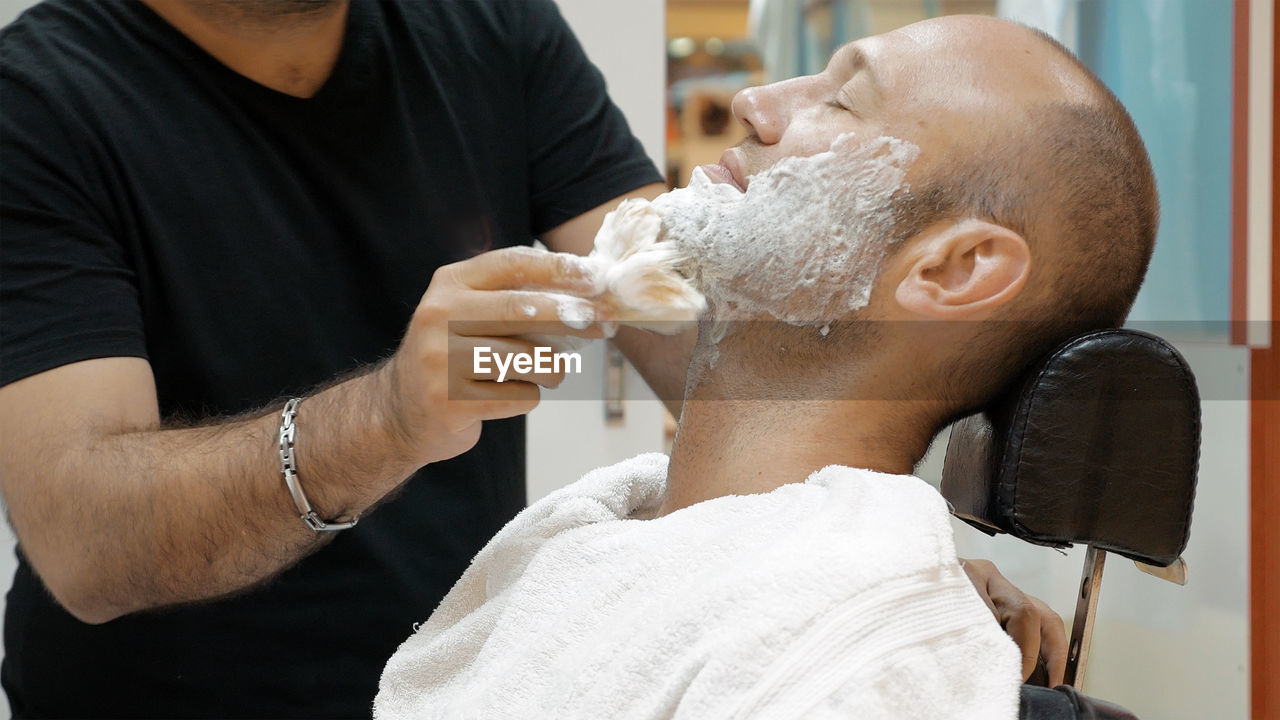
x=289, y=468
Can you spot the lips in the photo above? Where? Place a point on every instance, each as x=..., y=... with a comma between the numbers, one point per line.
x=726, y=171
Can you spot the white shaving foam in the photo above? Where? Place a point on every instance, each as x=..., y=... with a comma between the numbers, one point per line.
x=806, y=240
x=636, y=276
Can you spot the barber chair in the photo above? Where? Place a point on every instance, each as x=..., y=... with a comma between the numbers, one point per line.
x=1098, y=444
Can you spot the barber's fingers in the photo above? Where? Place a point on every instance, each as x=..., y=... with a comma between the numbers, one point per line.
x=429, y=394
x=485, y=400
x=558, y=343
x=526, y=267
x=521, y=312
x=504, y=360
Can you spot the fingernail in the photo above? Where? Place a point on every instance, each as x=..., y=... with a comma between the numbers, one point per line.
x=581, y=273
x=575, y=313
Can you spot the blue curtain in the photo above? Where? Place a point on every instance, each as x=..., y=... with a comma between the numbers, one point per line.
x=1169, y=62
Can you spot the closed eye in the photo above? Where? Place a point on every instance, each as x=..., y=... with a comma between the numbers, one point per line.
x=838, y=103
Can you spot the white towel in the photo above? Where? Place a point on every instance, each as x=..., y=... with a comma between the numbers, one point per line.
x=839, y=597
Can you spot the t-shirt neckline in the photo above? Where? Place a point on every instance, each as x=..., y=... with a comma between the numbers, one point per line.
x=346, y=82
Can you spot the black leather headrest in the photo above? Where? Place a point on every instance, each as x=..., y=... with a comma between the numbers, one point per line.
x=1098, y=444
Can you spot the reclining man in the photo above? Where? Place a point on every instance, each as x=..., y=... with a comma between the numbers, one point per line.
x=1000, y=201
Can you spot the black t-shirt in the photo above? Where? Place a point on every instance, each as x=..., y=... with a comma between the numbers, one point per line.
x=250, y=245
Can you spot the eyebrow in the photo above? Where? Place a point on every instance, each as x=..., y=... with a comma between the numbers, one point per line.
x=856, y=58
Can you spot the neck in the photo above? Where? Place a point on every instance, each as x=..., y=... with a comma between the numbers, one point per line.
x=748, y=446
x=288, y=47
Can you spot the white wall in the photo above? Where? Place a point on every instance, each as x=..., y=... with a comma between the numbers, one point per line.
x=1163, y=651
x=10, y=9
x=8, y=566
x=569, y=437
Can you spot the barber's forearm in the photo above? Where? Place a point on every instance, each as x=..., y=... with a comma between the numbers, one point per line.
x=136, y=520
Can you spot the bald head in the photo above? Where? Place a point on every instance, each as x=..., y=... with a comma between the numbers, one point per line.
x=1065, y=167
x=991, y=59
x=1062, y=163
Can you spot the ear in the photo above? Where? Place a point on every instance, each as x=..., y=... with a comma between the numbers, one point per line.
x=964, y=269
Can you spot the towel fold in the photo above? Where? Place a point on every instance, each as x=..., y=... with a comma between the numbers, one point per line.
x=839, y=597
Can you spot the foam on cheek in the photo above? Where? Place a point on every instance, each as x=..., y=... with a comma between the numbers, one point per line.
x=804, y=242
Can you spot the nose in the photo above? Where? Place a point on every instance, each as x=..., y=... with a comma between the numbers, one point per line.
x=759, y=111
x=765, y=111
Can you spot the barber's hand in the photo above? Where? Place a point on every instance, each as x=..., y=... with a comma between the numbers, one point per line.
x=434, y=399
x=1034, y=626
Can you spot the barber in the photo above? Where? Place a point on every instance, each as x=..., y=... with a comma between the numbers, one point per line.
x=212, y=207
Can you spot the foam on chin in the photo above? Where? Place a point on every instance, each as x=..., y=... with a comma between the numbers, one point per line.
x=803, y=244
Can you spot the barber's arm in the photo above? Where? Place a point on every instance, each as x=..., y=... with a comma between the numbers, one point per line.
x=118, y=512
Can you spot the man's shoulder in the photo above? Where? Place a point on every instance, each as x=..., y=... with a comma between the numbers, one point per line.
x=72, y=53
x=889, y=516
x=612, y=492
x=56, y=31
x=475, y=30
x=877, y=486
